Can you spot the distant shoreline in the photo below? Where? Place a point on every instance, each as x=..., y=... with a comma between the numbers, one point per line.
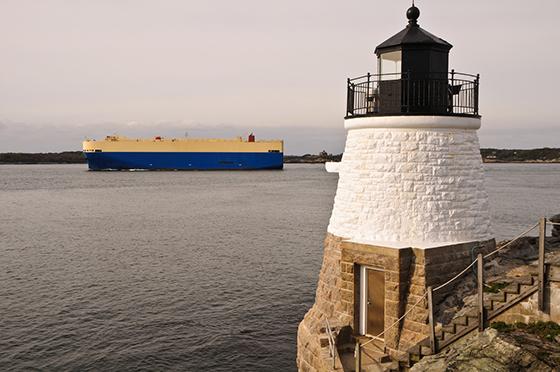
x=489, y=156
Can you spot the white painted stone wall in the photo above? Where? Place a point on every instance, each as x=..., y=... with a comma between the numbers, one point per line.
x=411, y=187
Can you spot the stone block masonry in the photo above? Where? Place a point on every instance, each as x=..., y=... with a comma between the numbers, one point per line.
x=411, y=187
x=408, y=272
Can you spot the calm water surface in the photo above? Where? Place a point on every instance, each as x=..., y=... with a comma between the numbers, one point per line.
x=188, y=271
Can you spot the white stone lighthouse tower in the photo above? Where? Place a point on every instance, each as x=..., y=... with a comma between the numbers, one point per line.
x=410, y=208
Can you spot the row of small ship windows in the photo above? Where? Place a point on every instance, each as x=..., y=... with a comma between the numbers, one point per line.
x=99, y=150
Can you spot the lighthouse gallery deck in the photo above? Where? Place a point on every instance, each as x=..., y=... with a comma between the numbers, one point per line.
x=118, y=153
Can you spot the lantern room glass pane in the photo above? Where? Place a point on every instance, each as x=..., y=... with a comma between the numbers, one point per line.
x=390, y=65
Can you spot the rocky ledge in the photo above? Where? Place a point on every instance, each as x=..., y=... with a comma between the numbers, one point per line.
x=514, y=349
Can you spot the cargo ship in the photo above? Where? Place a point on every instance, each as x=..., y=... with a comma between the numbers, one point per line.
x=158, y=153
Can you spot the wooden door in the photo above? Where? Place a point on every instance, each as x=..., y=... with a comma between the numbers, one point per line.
x=375, y=302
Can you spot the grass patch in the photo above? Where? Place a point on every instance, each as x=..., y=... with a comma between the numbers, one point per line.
x=546, y=330
x=502, y=326
x=495, y=287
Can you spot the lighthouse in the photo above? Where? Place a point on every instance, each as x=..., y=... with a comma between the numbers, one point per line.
x=410, y=209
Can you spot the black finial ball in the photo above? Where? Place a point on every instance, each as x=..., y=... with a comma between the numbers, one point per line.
x=413, y=13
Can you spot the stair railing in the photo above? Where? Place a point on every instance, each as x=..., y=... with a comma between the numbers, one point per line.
x=480, y=279
x=542, y=236
x=332, y=342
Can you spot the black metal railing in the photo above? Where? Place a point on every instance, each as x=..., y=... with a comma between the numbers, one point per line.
x=413, y=94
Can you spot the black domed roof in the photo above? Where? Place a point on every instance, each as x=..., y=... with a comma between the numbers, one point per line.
x=412, y=35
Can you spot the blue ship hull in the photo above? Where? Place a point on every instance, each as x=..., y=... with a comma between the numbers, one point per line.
x=184, y=160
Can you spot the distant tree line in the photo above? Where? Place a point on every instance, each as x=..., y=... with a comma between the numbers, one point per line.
x=322, y=157
x=67, y=157
x=549, y=155
x=545, y=155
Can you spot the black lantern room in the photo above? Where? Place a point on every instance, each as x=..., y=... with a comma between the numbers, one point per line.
x=413, y=78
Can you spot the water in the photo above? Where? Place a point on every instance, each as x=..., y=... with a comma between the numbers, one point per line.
x=188, y=271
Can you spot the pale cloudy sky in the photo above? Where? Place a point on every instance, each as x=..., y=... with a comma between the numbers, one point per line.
x=71, y=69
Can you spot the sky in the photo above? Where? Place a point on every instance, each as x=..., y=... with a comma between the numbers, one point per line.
x=76, y=69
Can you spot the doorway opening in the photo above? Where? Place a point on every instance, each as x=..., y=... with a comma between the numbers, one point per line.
x=372, y=301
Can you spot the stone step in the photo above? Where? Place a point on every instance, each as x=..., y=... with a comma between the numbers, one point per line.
x=511, y=296
x=371, y=353
x=425, y=342
x=414, y=358
x=325, y=355
x=382, y=367
x=500, y=296
x=522, y=280
x=414, y=350
x=372, y=360
x=447, y=336
x=324, y=341
x=404, y=365
x=472, y=315
x=420, y=350
x=512, y=288
x=376, y=357
x=425, y=350
x=459, y=328
x=472, y=320
x=449, y=328
x=523, y=287
x=460, y=320
x=497, y=305
x=392, y=366
x=324, y=330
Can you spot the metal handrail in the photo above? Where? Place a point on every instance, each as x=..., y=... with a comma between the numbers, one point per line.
x=406, y=74
x=374, y=76
x=406, y=93
x=332, y=343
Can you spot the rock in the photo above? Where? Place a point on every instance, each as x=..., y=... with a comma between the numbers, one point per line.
x=555, y=228
x=494, y=351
